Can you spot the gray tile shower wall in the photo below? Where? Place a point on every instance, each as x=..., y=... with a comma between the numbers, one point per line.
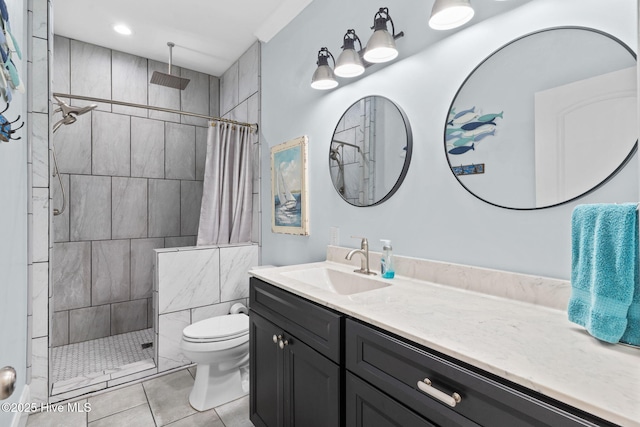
x=133, y=182
x=37, y=50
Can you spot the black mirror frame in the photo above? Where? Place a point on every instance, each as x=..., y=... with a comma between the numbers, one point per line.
x=632, y=152
x=407, y=160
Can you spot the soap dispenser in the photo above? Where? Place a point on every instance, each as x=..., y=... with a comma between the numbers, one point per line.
x=386, y=262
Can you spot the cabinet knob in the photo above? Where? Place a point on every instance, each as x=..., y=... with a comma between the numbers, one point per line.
x=282, y=344
x=276, y=338
x=450, y=400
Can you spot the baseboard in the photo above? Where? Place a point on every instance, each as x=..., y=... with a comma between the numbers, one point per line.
x=20, y=417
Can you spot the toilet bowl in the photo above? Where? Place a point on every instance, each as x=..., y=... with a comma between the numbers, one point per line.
x=220, y=347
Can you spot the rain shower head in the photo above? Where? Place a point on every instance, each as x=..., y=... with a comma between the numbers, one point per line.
x=169, y=80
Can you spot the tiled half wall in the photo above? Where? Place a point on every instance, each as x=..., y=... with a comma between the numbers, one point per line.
x=192, y=284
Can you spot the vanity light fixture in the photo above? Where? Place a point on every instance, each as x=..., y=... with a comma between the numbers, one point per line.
x=122, y=29
x=323, y=78
x=381, y=47
x=349, y=63
x=449, y=14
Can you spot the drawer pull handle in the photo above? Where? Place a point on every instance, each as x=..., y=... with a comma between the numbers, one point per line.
x=426, y=387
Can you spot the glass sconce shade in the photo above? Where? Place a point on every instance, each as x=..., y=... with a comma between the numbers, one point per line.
x=382, y=44
x=323, y=78
x=449, y=14
x=349, y=63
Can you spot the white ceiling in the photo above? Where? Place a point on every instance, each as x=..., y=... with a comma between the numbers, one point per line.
x=209, y=35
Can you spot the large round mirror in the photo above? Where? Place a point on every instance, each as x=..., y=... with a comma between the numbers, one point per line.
x=545, y=119
x=370, y=151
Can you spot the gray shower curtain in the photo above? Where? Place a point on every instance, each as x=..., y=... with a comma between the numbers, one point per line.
x=225, y=215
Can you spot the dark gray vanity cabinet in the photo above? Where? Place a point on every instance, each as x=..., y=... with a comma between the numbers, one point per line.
x=295, y=349
x=313, y=366
x=392, y=369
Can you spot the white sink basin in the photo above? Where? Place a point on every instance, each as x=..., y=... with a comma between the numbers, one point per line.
x=337, y=281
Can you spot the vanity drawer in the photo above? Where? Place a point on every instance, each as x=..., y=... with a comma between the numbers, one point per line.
x=396, y=367
x=368, y=407
x=316, y=326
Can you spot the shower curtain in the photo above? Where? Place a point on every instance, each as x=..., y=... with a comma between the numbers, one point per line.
x=226, y=212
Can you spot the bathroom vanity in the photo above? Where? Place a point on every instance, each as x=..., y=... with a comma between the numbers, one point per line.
x=417, y=353
x=295, y=351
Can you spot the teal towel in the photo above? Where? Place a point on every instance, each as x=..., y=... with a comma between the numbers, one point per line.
x=604, y=271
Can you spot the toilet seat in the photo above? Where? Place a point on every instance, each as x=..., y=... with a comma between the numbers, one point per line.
x=220, y=328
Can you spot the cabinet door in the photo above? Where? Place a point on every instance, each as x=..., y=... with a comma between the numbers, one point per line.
x=266, y=368
x=368, y=407
x=311, y=387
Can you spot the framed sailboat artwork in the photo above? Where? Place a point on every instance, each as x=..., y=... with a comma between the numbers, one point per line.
x=289, y=198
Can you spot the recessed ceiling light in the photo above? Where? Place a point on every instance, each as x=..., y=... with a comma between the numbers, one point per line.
x=122, y=29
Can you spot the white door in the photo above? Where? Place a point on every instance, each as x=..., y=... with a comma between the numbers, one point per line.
x=583, y=131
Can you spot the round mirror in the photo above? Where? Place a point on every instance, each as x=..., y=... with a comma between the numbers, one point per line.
x=370, y=151
x=545, y=119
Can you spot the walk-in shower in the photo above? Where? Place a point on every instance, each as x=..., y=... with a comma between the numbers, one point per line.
x=121, y=191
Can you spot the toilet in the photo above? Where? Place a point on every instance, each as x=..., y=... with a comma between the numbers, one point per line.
x=220, y=347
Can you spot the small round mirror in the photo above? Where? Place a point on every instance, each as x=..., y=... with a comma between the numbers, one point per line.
x=545, y=119
x=370, y=151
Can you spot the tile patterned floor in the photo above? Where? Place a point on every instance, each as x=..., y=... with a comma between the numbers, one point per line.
x=103, y=354
x=161, y=401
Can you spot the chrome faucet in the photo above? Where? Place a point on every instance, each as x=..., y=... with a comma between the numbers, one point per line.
x=364, y=251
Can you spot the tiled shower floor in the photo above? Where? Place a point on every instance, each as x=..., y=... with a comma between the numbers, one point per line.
x=90, y=360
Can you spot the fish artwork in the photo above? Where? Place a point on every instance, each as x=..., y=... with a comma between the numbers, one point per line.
x=471, y=127
x=462, y=113
x=454, y=135
x=462, y=150
x=479, y=130
x=463, y=141
x=465, y=118
x=489, y=117
x=475, y=125
x=483, y=136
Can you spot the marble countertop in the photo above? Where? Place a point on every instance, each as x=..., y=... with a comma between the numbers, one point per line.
x=532, y=345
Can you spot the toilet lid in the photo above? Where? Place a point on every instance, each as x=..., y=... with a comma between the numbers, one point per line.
x=218, y=328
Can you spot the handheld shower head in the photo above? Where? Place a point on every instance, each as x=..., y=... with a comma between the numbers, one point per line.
x=334, y=154
x=64, y=121
x=69, y=113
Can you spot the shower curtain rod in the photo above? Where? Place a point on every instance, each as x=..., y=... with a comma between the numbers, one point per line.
x=253, y=126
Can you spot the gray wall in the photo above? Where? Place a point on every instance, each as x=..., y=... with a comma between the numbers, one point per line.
x=431, y=216
x=134, y=183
